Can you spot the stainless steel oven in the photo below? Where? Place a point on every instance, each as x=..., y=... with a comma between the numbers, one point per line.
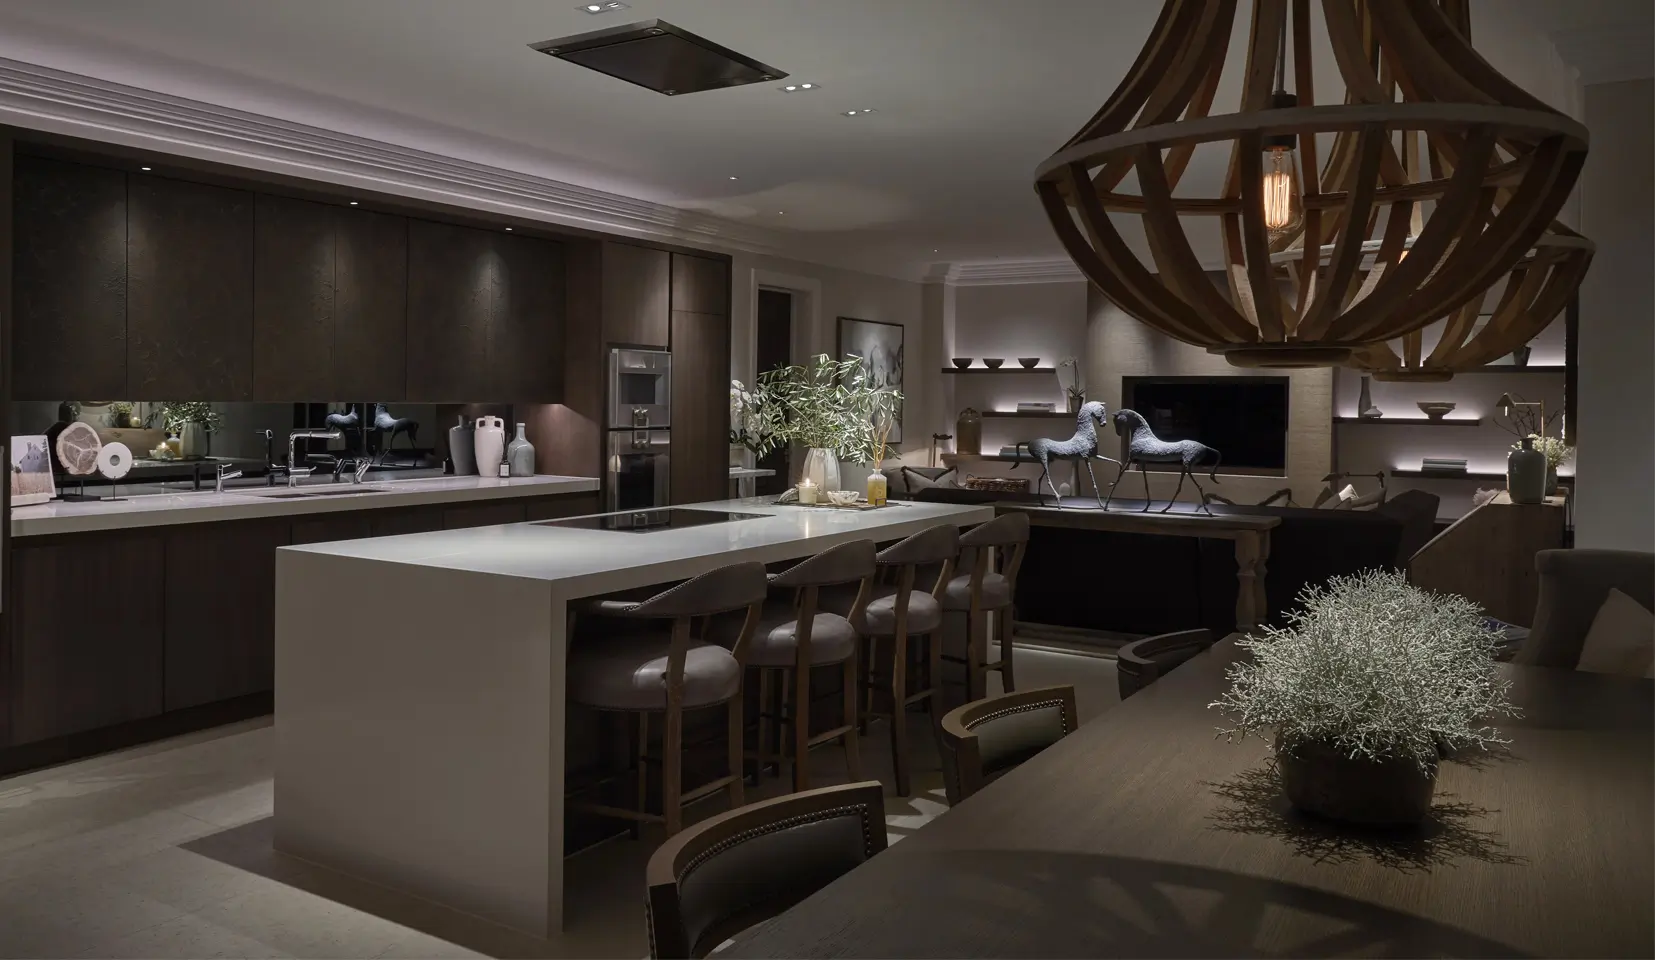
x=638, y=469
x=640, y=388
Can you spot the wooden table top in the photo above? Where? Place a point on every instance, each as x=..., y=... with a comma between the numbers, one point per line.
x=1144, y=835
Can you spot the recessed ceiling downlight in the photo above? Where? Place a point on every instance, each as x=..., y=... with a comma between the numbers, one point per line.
x=800, y=87
x=608, y=6
x=859, y=113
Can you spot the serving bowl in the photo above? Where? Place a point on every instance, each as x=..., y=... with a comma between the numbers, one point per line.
x=1028, y=363
x=961, y=363
x=993, y=363
x=1435, y=409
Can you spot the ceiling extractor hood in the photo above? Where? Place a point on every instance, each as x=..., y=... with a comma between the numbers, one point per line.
x=658, y=56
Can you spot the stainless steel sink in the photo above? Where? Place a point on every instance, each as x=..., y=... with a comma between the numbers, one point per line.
x=300, y=493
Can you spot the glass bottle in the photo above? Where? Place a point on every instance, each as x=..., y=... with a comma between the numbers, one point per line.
x=877, y=488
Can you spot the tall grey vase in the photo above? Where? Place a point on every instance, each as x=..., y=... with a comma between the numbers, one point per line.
x=1526, y=474
x=520, y=454
x=1364, y=405
x=460, y=448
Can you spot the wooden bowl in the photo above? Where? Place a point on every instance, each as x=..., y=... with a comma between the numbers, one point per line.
x=960, y=363
x=1435, y=409
x=1028, y=363
x=993, y=363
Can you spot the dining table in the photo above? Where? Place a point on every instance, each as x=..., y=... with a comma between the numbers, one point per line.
x=1147, y=833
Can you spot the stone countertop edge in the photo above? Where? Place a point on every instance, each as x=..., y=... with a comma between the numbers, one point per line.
x=153, y=510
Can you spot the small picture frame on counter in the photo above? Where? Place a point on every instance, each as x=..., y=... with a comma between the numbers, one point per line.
x=31, y=471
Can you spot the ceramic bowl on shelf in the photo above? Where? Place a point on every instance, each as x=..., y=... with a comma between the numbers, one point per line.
x=1435, y=409
x=960, y=363
x=993, y=363
x=1028, y=363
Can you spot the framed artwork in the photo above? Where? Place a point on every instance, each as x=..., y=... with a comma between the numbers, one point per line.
x=879, y=344
x=31, y=471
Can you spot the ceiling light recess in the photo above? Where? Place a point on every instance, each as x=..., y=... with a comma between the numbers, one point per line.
x=658, y=56
x=859, y=113
x=800, y=87
x=608, y=6
x=1433, y=153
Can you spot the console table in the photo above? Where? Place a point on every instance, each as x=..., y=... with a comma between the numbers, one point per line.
x=1251, y=535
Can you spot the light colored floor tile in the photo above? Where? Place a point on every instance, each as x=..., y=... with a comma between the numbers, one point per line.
x=187, y=936
x=62, y=915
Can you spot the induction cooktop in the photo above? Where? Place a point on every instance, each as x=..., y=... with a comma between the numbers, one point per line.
x=653, y=520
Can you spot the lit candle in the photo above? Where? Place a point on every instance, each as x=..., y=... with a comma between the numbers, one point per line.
x=807, y=491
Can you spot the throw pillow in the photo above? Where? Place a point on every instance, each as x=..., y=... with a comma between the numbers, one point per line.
x=924, y=478
x=1621, y=640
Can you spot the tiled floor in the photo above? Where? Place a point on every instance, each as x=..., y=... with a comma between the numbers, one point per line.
x=164, y=851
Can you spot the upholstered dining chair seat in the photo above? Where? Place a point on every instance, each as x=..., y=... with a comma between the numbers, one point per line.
x=628, y=672
x=996, y=592
x=879, y=620
x=832, y=639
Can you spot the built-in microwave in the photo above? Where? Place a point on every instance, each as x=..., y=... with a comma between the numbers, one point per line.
x=640, y=388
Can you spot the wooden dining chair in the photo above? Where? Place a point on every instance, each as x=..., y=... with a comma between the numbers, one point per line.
x=996, y=550
x=984, y=739
x=896, y=617
x=1141, y=662
x=635, y=666
x=737, y=869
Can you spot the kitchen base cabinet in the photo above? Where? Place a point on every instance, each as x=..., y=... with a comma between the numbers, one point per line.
x=220, y=620
x=395, y=522
x=87, y=624
x=556, y=508
x=327, y=527
x=483, y=514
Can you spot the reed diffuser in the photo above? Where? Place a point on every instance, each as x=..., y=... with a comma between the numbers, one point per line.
x=877, y=486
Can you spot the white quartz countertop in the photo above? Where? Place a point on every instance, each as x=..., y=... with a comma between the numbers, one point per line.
x=244, y=503
x=585, y=562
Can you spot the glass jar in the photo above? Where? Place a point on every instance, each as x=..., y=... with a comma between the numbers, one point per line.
x=877, y=488
x=968, y=433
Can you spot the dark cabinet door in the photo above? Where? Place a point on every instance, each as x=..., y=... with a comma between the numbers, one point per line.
x=189, y=291
x=700, y=284
x=556, y=508
x=637, y=283
x=87, y=624
x=294, y=302
x=398, y=521
x=450, y=295
x=526, y=322
x=700, y=406
x=221, y=610
x=483, y=514
x=370, y=319
x=68, y=281
x=328, y=527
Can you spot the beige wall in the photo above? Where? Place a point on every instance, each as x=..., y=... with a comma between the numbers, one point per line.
x=1615, y=504
x=1118, y=346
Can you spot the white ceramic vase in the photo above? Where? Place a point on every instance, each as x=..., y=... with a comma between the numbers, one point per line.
x=489, y=442
x=192, y=441
x=822, y=468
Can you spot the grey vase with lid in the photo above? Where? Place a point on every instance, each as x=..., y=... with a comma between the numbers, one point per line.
x=461, y=448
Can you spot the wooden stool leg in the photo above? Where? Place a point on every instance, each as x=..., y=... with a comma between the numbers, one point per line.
x=737, y=736
x=899, y=713
x=766, y=724
x=976, y=646
x=869, y=649
x=801, y=727
x=643, y=767
x=933, y=679
x=672, y=770
x=1008, y=679
x=853, y=746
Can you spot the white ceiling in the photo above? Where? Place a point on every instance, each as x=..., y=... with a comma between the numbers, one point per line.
x=970, y=95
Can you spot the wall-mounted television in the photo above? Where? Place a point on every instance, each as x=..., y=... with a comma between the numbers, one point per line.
x=1243, y=418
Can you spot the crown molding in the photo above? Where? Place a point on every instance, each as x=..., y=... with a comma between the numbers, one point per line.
x=986, y=273
x=41, y=98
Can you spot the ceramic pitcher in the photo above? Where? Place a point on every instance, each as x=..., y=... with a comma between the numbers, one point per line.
x=489, y=441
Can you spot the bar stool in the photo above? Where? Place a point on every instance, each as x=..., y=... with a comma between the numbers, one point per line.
x=792, y=640
x=650, y=670
x=987, y=590
x=895, y=617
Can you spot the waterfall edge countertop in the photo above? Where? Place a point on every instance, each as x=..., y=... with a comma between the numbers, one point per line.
x=252, y=502
x=427, y=754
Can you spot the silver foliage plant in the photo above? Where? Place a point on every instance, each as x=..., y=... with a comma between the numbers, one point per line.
x=1375, y=668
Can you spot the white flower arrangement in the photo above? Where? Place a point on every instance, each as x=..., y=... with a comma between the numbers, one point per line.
x=1557, y=452
x=1375, y=668
x=1074, y=384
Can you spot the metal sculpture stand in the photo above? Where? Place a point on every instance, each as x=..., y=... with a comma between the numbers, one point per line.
x=1082, y=446
x=1143, y=446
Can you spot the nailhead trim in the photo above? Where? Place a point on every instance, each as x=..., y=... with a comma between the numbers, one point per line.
x=859, y=809
x=1062, y=715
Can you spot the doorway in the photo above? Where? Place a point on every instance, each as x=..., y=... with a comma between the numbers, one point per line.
x=773, y=349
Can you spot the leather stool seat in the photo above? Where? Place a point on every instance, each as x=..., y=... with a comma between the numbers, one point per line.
x=996, y=592
x=832, y=640
x=628, y=672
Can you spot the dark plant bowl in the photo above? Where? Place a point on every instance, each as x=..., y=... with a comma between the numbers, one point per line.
x=1028, y=363
x=962, y=362
x=1322, y=781
x=993, y=363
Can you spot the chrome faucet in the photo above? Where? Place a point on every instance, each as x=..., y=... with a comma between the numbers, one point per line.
x=226, y=472
x=294, y=472
x=359, y=465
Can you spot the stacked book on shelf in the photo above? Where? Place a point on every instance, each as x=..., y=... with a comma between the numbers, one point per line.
x=1442, y=466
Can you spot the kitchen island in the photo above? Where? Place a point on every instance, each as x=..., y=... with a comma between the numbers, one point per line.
x=429, y=757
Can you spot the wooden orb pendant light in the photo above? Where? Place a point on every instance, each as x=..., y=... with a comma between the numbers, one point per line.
x=1442, y=178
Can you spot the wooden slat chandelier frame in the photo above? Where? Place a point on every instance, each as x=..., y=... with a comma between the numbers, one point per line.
x=1443, y=179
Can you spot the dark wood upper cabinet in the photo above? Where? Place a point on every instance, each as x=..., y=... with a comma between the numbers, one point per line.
x=700, y=284
x=69, y=281
x=370, y=316
x=637, y=284
x=700, y=406
x=189, y=291
x=294, y=302
x=450, y=295
x=527, y=321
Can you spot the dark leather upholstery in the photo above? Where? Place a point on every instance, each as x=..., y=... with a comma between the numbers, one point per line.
x=879, y=620
x=996, y=592
x=1006, y=740
x=716, y=591
x=832, y=640
x=984, y=739
x=1573, y=585
x=845, y=563
x=629, y=672
x=1142, y=662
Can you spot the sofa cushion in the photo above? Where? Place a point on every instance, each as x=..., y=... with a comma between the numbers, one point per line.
x=908, y=481
x=1621, y=639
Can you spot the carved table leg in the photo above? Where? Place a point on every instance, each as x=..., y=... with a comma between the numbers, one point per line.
x=1249, y=590
x=1262, y=606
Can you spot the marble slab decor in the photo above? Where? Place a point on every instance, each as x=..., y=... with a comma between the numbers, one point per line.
x=253, y=502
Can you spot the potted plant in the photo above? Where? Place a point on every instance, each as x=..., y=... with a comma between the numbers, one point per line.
x=1372, y=682
x=1073, y=381
x=193, y=422
x=830, y=407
